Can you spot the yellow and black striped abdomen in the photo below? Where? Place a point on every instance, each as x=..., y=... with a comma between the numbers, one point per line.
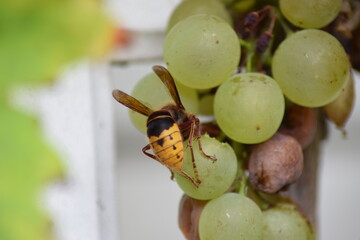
x=165, y=139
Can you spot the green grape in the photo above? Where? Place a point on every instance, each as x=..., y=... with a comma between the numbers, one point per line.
x=239, y=6
x=284, y=222
x=249, y=107
x=189, y=8
x=231, y=216
x=216, y=176
x=152, y=92
x=311, y=67
x=206, y=105
x=201, y=51
x=310, y=13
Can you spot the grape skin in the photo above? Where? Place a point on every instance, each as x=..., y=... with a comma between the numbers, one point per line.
x=283, y=222
x=311, y=67
x=310, y=13
x=249, y=107
x=239, y=6
x=216, y=176
x=189, y=8
x=151, y=91
x=275, y=163
x=189, y=213
x=201, y=51
x=231, y=216
x=206, y=105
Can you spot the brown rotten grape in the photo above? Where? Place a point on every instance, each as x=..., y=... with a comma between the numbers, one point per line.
x=275, y=163
x=189, y=214
x=300, y=123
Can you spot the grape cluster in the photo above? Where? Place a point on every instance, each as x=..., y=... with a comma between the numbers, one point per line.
x=265, y=72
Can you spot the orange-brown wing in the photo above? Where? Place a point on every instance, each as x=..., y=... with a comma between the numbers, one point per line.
x=131, y=102
x=169, y=82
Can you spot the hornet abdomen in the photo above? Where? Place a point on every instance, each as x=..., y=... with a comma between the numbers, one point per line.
x=165, y=139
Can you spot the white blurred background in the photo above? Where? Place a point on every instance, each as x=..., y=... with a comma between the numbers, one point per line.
x=112, y=191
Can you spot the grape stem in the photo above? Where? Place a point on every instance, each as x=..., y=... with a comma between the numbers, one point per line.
x=249, y=60
x=243, y=186
x=272, y=23
x=264, y=43
x=288, y=31
x=221, y=137
x=239, y=150
x=249, y=46
x=257, y=47
x=231, y=4
x=252, y=21
x=261, y=201
x=245, y=44
x=242, y=181
x=240, y=184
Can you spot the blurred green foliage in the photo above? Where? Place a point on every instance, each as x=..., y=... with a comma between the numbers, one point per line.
x=26, y=163
x=37, y=38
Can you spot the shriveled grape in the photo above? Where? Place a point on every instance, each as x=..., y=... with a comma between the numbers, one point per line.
x=189, y=215
x=275, y=163
x=300, y=123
